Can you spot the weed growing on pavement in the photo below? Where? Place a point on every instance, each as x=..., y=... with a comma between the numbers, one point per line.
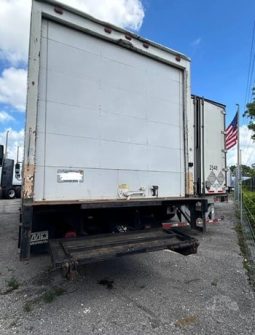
x=214, y=282
x=13, y=324
x=47, y=297
x=12, y=284
x=28, y=306
x=187, y=321
x=52, y=294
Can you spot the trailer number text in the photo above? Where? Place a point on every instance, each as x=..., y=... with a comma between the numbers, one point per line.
x=213, y=167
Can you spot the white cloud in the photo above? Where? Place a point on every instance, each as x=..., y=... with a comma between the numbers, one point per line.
x=14, y=37
x=14, y=29
x=13, y=87
x=15, y=20
x=15, y=140
x=247, y=146
x=14, y=34
x=5, y=117
x=124, y=13
x=196, y=42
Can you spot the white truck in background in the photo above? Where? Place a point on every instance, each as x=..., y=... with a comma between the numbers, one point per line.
x=10, y=177
x=210, y=169
x=230, y=181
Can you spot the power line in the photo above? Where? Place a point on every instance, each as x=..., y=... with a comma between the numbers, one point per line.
x=248, y=94
x=251, y=66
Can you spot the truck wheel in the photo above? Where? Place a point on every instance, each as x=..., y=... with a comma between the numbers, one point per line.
x=11, y=193
x=18, y=192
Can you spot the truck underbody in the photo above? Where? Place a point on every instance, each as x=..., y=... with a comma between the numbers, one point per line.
x=84, y=232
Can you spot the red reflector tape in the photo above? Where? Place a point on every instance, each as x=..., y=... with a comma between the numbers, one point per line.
x=178, y=58
x=146, y=45
x=215, y=221
x=70, y=234
x=108, y=30
x=169, y=225
x=58, y=10
x=128, y=37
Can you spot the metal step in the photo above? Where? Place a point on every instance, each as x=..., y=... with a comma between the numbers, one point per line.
x=89, y=249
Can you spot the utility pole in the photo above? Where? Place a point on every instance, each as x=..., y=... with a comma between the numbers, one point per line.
x=240, y=187
x=6, y=144
x=238, y=157
x=17, y=154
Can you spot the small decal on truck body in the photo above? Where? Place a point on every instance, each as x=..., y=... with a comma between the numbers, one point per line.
x=39, y=237
x=70, y=176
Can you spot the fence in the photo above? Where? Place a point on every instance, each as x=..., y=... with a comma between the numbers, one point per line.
x=245, y=200
x=249, y=184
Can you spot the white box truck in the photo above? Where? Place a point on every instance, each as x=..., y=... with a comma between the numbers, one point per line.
x=106, y=159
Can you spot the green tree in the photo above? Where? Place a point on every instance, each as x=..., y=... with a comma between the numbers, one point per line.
x=250, y=113
x=247, y=171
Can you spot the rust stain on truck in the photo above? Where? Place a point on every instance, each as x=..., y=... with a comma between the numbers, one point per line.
x=28, y=181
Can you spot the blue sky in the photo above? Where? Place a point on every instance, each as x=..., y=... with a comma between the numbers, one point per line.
x=216, y=35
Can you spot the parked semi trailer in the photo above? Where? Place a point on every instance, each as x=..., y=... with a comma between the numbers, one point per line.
x=106, y=160
x=10, y=177
x=210, y=169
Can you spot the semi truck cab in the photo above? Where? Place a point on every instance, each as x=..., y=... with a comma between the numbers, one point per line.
x=10, y=177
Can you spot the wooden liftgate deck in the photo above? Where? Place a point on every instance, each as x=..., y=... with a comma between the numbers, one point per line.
x=68, y=253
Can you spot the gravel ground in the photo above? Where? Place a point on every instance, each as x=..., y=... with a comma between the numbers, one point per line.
x=156, y=293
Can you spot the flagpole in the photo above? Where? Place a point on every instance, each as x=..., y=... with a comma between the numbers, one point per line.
x=241, y=194
x=238, y=156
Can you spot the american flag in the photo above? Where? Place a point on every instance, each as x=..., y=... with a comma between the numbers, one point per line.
x=232, y=133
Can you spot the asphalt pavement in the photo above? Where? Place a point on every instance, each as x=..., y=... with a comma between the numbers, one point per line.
x=154, y=293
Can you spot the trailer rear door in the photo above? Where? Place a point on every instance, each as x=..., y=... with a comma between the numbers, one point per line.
x=210, y=155
x=107, y=117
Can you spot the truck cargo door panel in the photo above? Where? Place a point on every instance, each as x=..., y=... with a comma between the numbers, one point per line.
x=109, y=112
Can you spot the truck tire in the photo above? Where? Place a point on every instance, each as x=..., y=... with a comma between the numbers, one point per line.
x=18, y=192
x=11, y=194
